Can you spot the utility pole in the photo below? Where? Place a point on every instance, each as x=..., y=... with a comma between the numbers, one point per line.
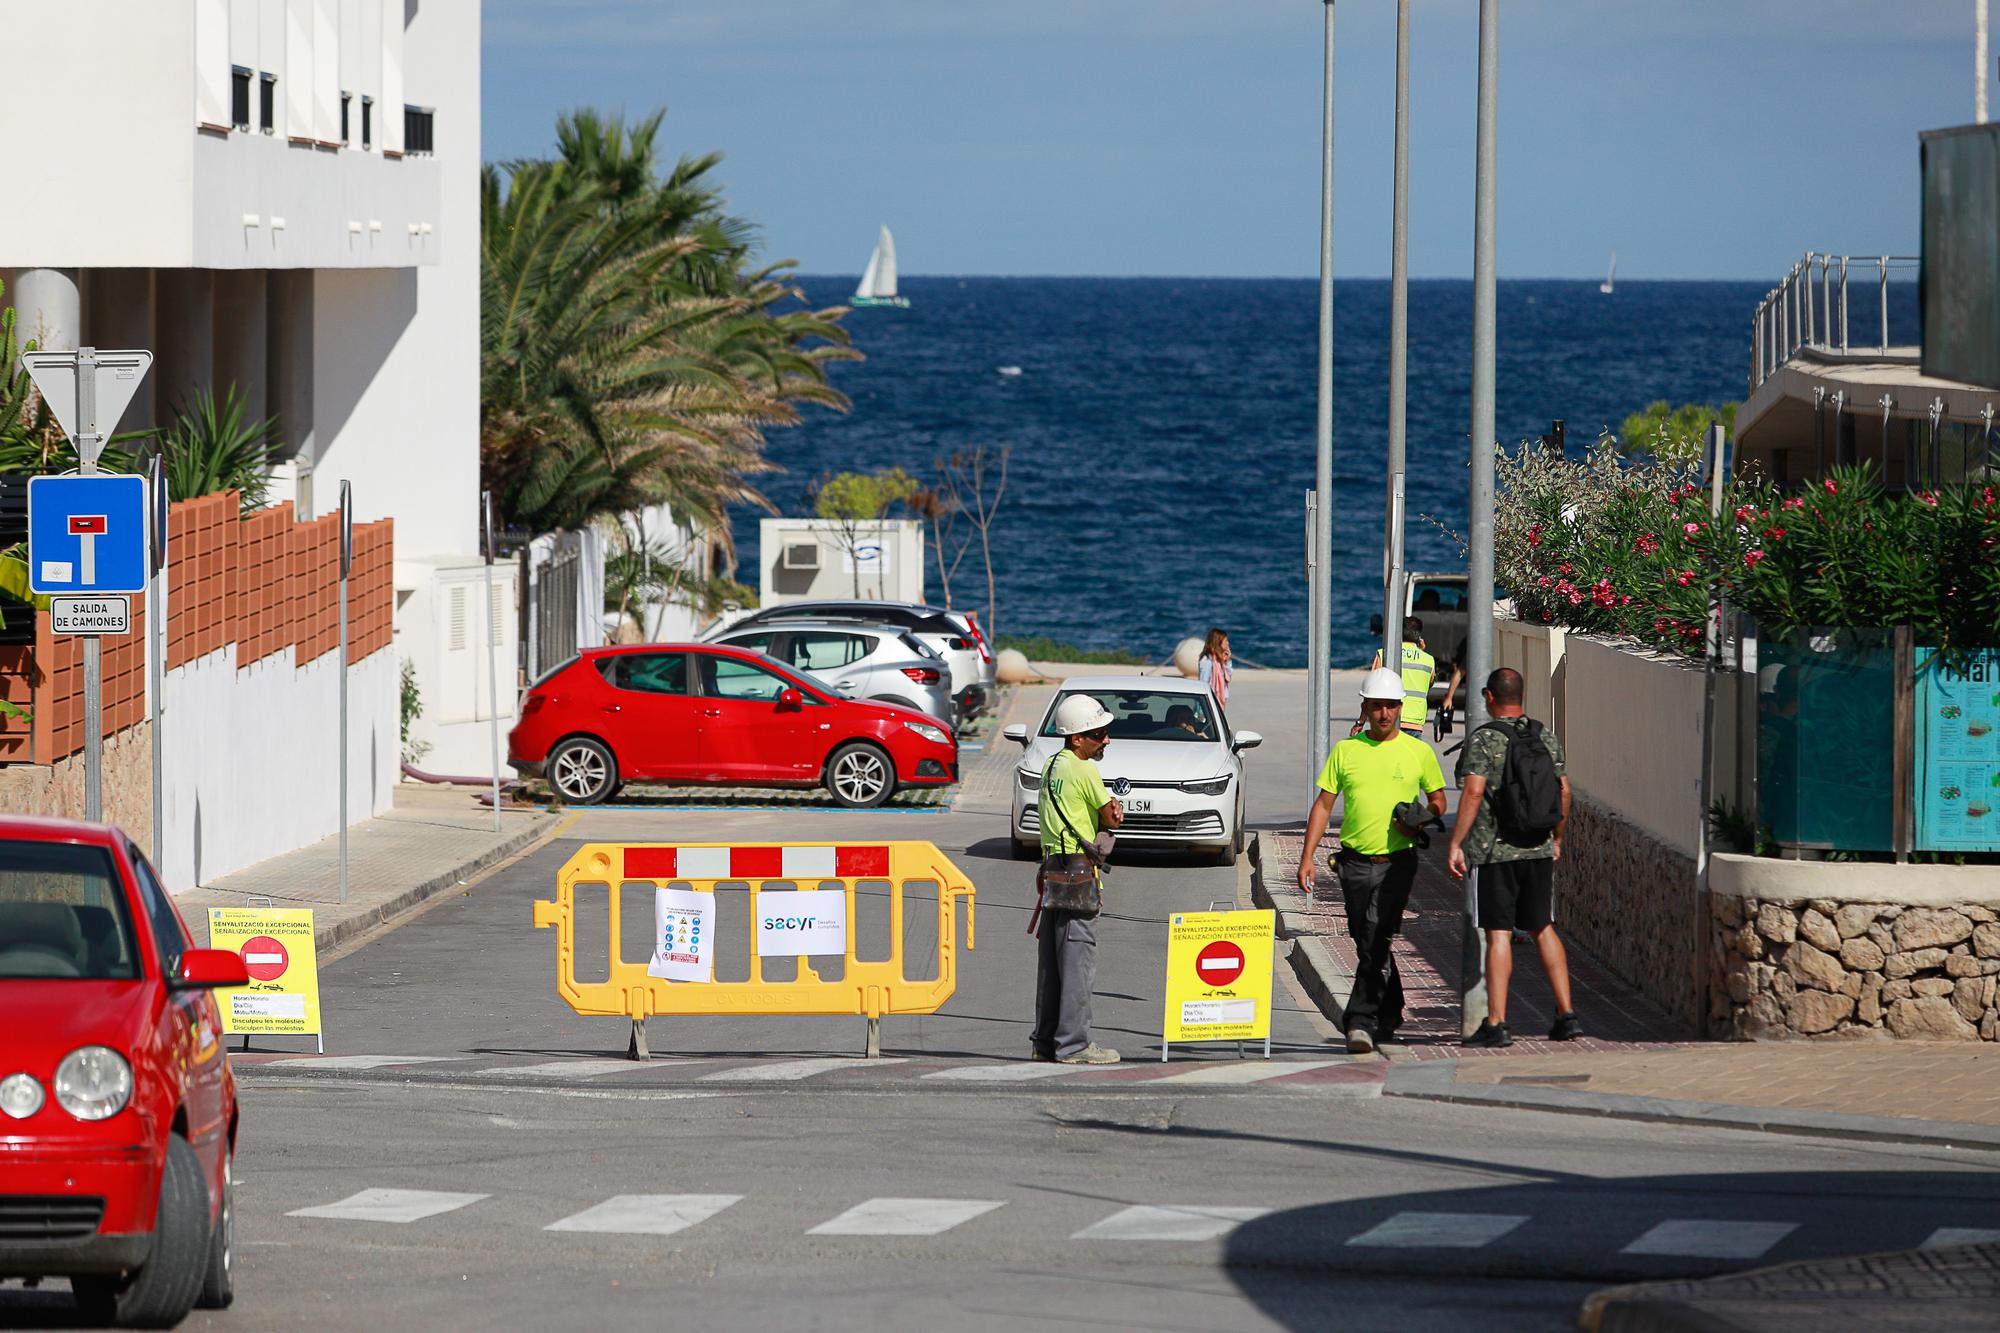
x=1399, y=348
x=1319, y=657
x=1979, y=62
x=1479, y=568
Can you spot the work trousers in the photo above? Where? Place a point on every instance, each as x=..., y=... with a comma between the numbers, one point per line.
x=1375, y=894
x=1066, y=958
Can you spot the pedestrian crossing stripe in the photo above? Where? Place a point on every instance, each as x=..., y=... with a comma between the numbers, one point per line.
x=905, y=1217
x=646, y=1214
x=387, y=1205
x=1710, y=1238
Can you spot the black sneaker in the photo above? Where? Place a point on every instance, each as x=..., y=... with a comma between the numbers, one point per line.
x=1490, y=1034
x=1042, y=1055
x=1566, y=1028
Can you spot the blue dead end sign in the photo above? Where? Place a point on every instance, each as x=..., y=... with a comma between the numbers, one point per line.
x=87, y=534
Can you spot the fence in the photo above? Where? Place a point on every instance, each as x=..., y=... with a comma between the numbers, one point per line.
x=1808, y=311
x=264, y=583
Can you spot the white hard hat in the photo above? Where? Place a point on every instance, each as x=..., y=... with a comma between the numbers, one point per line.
x=1080, y=713
x=1382, y=683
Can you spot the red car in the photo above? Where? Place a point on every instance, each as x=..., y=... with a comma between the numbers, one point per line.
x=701, y=714
x=117, y=1106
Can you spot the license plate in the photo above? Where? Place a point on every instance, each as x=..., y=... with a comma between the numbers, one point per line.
x=1138, y=805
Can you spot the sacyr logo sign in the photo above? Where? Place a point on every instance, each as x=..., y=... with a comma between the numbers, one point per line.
x=805, y=922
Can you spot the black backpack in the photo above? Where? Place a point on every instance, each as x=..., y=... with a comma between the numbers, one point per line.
x=1527, y=805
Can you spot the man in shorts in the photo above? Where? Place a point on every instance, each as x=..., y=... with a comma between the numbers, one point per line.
x=1514, y=885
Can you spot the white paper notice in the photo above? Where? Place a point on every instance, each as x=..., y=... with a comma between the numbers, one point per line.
x=812, y=921
x=683, y=935
x=1199, y=1012
x=243, y=1005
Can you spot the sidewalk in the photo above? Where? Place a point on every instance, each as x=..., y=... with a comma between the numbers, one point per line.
x=1636, y=1062
x=433, y=839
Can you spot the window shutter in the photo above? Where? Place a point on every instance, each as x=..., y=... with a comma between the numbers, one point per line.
x=456, y=638
x=496, y=616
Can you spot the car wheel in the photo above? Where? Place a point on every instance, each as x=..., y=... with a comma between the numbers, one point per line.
x=218, y=1283
x=164, y=1290
x=1225, y=855
x=1241, y=840
x=582, y=771
x=859, y=774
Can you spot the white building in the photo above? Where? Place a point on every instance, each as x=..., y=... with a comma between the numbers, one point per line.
x=283, y=195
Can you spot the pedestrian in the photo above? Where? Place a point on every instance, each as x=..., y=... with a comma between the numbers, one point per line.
x=1513, y=804
x=1373, y=773
x=1215, y=669
x=1419, y=669
x=1077, y=814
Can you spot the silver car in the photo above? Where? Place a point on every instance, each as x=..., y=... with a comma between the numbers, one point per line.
x=952, y=634
x=873, y=662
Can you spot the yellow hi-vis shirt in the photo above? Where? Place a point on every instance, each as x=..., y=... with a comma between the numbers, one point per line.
x=1374, y=777
x=1419, y=669
x=1078, y=787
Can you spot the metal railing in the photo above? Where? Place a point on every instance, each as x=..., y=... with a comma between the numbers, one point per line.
x=1810, y=310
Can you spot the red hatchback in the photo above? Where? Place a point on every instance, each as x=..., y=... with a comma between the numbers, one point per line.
x=700, y=714
x=117, y=1106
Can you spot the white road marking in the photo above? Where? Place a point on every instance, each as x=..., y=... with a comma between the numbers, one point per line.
x=786, y=1070
x=646, y=1214
x=904, y=1217
x=1438, y=1231
x=1708, y=1238
x=1189, y=1222
x=572, y=1068
x=1014, y=1073
x=363, y=1061
x=380, y=1205
x=1245, y=1071
x=1959, y=1236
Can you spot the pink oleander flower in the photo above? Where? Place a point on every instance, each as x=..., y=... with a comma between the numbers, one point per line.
x=1535, y=535
x=1685, y=577
x=1691, y=529
x=1773, y=533
x=1646, y=544
x=1751, y=558
x=1831, y=489
x=1545, y=580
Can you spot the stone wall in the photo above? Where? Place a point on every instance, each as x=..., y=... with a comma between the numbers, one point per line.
x=56, y=790
x=1845, y=969
x=1629, y=898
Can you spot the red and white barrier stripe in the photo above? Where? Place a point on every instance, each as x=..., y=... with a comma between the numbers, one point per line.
x=822, y=861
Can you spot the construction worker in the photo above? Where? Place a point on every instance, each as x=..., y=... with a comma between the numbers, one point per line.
x=1419, y=669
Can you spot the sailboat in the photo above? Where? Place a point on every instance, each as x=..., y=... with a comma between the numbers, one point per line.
x=878, y=280
x=1610, y=276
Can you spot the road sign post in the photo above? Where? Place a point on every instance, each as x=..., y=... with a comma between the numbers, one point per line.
x=156, y=654
x=346, y=562
x=88, y=391
x=492, y=669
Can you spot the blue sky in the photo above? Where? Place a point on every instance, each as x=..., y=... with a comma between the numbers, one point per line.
x=1698, y=138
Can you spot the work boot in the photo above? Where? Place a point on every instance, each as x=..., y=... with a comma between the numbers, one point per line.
x=1360, y=1041
x=1566, y=1028
x=1092, y=1054
x=1490, y=1034
x=1042, y=1055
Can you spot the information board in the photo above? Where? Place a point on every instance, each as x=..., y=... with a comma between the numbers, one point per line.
x=1958, y=751
x=1219, y=976
x=279, y=954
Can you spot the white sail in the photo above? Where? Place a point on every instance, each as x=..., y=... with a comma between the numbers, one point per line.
x=884, y=265
x=1610, y=275
x=867, y=285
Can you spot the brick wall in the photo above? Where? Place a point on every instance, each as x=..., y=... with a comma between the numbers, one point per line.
x=265, y=583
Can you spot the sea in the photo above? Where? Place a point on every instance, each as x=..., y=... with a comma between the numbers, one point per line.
x=1162, y=431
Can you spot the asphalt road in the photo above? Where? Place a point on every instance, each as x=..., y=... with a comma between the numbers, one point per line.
x=477, y=1155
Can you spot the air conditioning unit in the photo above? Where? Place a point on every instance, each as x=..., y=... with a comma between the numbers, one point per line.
x=800, y=555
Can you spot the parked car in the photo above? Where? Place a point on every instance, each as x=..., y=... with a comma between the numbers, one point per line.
x=954, y=634
x=1172, y=761
x=118, y=1114
x=703, y=714
x=875, y=662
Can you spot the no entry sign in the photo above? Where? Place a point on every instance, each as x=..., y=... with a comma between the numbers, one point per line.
x=264, y=958
x=1219, y=963
x=1218, y=976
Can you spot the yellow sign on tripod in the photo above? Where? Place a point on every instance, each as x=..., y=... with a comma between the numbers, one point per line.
x=279, y=954
x=1219, y=977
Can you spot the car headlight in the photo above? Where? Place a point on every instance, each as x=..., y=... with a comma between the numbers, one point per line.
x=93, y=1083
x=1210, y=787
x=20, y=1095
x=930, y=733
x=1030, y=779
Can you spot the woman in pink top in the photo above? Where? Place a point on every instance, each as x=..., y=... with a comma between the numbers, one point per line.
x=1215, y=668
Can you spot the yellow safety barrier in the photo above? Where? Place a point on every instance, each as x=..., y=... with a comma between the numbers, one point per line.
x=802, y=904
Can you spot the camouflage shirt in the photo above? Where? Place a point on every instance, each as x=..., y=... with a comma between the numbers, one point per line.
x=1485, y=756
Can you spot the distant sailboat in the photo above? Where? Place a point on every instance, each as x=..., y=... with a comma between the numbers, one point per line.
x=878, y=280
x=1610, y=276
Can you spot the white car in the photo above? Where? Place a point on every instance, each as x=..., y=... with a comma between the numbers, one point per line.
x=1172, y=761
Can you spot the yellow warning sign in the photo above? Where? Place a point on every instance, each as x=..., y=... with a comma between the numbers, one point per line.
x=1219, y=976
x=278, y=953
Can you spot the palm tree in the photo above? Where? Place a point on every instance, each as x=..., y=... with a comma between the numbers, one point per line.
x=628, y=357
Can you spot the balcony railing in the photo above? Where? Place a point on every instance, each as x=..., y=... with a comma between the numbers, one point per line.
x=1810, y=311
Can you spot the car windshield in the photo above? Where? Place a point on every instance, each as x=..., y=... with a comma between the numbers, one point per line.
x=1147, y=715
x=1428, y=596
x=63, y=915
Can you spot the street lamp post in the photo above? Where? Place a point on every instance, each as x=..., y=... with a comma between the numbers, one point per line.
x=1479, y=567
x=1399, y=346
x=1319, y=656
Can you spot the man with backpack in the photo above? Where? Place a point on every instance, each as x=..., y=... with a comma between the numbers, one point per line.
x=1513, y=804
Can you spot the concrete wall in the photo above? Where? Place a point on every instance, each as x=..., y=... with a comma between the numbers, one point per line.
x=56, y=790
x=252, y=757
x=1536, y=651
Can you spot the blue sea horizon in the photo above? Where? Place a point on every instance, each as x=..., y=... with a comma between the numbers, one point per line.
x=1163, y=429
